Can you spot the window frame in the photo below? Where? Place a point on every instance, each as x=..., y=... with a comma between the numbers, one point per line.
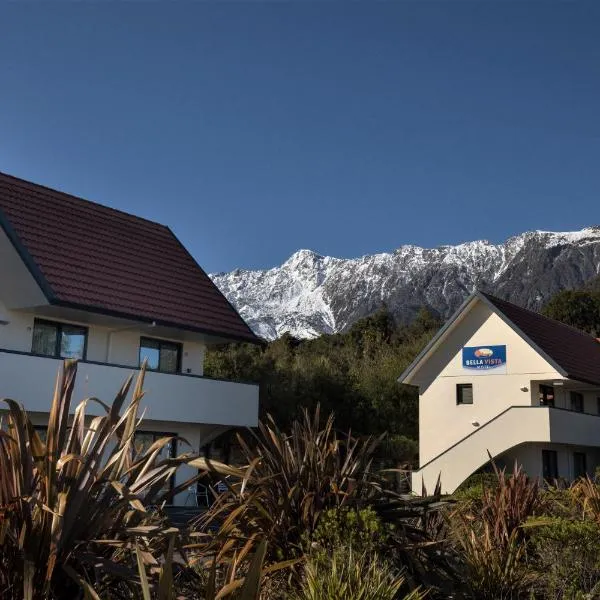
x=460, y=387
x=576, y=456
x=156, y=435
x=575, y=398
x=550, y=465
x=162, y=342
x=543, y=395
x=60, y=325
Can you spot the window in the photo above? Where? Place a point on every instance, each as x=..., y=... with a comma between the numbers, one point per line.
x=142, y=440
x=598, y=405
x=546, y=395
x=464, y=393
x=60, y=340
x=549, y=464
x=579, y=465
x=162, y=356
x=576, y=401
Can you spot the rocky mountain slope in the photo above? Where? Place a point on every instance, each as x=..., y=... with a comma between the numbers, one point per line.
x=311, y=294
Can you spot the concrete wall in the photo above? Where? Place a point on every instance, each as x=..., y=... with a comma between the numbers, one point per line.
x=441, y=421
x=179, y=398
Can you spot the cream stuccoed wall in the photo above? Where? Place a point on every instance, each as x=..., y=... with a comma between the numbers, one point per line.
x=442, y=422
x=114, y=345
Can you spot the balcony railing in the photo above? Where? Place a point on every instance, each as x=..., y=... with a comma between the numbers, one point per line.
x=29, y=379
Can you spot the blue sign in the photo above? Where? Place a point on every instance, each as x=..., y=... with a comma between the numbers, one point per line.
x=482, y=358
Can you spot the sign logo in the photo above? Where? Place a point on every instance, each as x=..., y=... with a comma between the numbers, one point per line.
x=483, y=358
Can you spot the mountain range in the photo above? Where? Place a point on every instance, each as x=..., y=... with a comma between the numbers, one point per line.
x=310, y=294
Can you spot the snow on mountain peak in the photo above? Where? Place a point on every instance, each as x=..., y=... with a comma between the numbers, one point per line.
x=310, y=294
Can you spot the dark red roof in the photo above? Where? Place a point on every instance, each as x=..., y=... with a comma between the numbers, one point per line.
x=577, y=354
x=99, y=259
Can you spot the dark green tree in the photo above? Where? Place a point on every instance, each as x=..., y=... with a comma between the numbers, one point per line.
x=578, y=308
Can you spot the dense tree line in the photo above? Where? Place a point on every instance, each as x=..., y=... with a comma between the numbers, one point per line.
x=578, y=308
x=354, y=374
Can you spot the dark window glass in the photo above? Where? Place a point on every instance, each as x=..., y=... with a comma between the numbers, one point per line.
x=162, y=356
x=577, y=401
x=142, y=440
x=42, y=431
x=60, y=340
x=45, y=336
x=579, y=464
x=598, y=405
x=550, y=464
x=464, y=393
x=546, y=395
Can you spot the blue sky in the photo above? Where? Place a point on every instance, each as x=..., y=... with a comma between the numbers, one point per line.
x=254, y=129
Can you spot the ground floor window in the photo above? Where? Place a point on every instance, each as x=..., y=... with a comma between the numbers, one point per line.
x=579, y=464
x=144, y=439
x=549, y=464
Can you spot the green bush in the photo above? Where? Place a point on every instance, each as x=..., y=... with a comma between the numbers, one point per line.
x=360, y=530
x=347, y=575
x=566, y=552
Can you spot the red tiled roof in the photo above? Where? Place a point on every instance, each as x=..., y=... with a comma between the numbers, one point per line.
x=575, y=352
x=89, y=256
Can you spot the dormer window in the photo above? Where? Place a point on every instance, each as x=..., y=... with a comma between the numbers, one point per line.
x=59, y=340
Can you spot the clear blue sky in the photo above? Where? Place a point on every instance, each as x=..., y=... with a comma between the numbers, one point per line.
x=254, y=129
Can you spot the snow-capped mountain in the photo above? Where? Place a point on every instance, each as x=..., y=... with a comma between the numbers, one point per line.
x=311, y=294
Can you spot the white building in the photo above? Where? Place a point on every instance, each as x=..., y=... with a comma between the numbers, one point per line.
x=501, y=379
x=86, y=281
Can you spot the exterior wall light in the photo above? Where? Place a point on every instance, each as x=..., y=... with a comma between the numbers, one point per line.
x=524, y=388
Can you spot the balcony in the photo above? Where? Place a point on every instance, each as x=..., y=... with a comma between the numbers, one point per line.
x=514, y=426
x=29, y=379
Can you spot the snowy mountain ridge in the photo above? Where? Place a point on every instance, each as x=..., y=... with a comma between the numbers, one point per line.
x=311, y=294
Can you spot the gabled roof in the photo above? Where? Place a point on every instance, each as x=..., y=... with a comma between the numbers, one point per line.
x=88, y=256
x=574, y=354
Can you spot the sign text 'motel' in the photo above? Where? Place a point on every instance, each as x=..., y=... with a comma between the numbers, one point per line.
x=484, y=357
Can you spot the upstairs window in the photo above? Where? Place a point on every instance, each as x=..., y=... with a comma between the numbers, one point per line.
x=59, y=340
x=464, y=393
x=161, y=355
x=576, y=401
x=546, y=395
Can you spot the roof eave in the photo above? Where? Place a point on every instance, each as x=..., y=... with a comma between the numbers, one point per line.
x=406, y=376
x=250, y=337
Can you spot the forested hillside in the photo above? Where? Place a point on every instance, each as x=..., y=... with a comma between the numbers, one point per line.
x=353, y=374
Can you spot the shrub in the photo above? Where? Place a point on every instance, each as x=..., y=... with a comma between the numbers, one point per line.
x=567, y=556
x=347, y=575
x=73, y=511
x=360, y=530
x=490, y=535
x=290, y=481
